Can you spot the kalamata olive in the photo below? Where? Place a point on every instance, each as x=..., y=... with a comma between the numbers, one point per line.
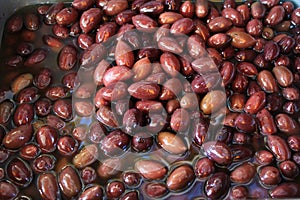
x=144, y=90
x=82, y=4
x=241, y=152
x=169, y=91
x=56, y=92
x=47, y=185
x=6, y=111
x=70, y=80
x=131, y=179
x=43, y=163
x=24, y=114
x=151, y=169
x=90, y=19
x=115, y=143
x=96, y=132
x=217, y=185
x=31, y=22
x=55, y=122
x=37, y=56
x=204, y=167
x=218, y=152
x=106, y=116
x=52, y=41
x=19, y=172
x=289, y=169
x=42, y=107
x=135, y=93
x=67, y=57
x=133, y=195
x=132, y=120
x=155, y=189
x=255, y=102
x=14, y=24
x=294, y=142
x=88, y=175
x=4, y=154
x=264, y=157
x=66, y=16
x=92, y=192
x=24, y=49
x=109, y=167
x=66, y=145
x=124, y=55
x=21, y=82
x=171, y=143
x=224, y=135
x=27, y=95
x=69, y=182
x=43, y=79
x=29, y=151
x=279, y=147
x=8, y=190
x=52, y=11
x=269, y=175
x=141, y=142
x=157, y=123
x=18, y=137
x=243, y=173
x=213, y=101
x=286, y=124
x=180, y=178
x=266, y=122
x=115, y=189
x=47, y=137
x=178, y=120
x=63, y=109
x=245, y=122
x=199, y=131
x=285, y=190
x=237, y=102
x=14, y=61
x=86, y=156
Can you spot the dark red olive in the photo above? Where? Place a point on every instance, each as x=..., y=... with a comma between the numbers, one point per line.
x=155, y=189
x=218, y=152
x=6, y=111
x=245, y=122
x=18, y=137
x=47, y=137
x=115, y=189
x=63, y=109
x=217, y=185
x=28, y=95
x=42, y=107
x=69, y=182
x=24, y=114
x=43, y=163
x=204, y=167
x=97, y=132
x=8, y=190
x=19, y=172
x=115, y=143
x=88, y=175
x=67, y=145
x=47, y=186
x=43, y=79
x=29, y=151
x=141, y=142
x=131, y=179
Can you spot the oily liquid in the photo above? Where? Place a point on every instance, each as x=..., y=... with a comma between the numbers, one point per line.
x=195, y=190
